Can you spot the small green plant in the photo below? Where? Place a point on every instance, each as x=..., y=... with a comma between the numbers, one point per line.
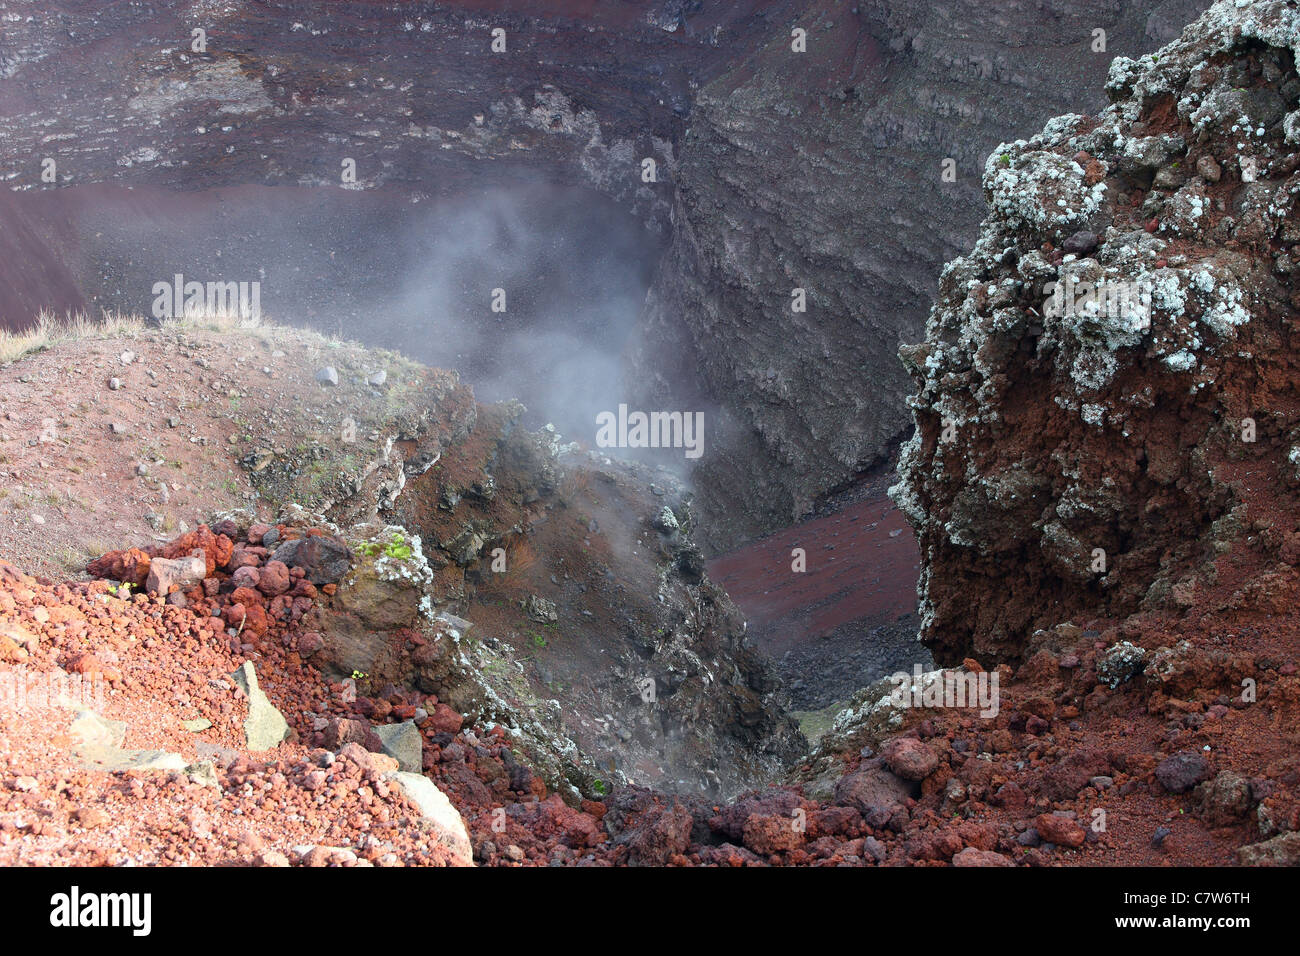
x=122, y=590
x=398, y=548
x=359, y=675
x=600, y=788
x=538, y=640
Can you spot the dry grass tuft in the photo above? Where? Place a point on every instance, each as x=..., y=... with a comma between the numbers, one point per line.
x=49, y=331
x=217, y=321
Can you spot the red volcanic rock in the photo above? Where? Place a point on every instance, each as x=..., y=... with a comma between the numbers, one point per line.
x=1182, y=772
x=1011, y=797
x=247, y=597
x=322, y=559
x=11, y=575
x=910, y=759
x=575, y=828
x=257, y=621
x=980, y=836
x=10, y=651
x=251, y=617
x=768, y=834
x=833, y=821
x=1290, y=550
x=345, y=730
x=973, y=857
x=1056, y=493
x=245, y=576
x=373, y=765
x=1064, y=780
x=86, y=664
x=274, y=579
x=228, y=527
x=216, y=548
x=876, y=793
x=130, y=565
x=933, y=845
x=444, y=720
x=728, y=855
x=1059, y=830
x=242, y=556
x=662, y=832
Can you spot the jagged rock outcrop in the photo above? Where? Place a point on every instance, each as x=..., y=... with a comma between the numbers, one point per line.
x=1108, y=389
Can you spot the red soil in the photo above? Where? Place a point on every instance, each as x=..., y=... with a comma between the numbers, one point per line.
x=862, y=565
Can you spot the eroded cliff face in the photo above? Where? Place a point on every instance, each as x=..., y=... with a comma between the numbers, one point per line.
x=825, y=171
x=1108, y=387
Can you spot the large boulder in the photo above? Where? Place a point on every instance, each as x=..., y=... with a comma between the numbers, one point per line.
x=438, y=814
x=326, y=559
x=875, y=793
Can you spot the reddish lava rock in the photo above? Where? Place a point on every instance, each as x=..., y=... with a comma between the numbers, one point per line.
x=216, y=548
x=274, y=578
x=130, y=565
x=910, y=759
x=444, y=720
x=1059, y=830
x=1182, y=772
x=973, y=857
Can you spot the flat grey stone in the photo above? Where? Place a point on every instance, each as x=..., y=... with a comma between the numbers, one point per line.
x=265, y=728
x=403, y=743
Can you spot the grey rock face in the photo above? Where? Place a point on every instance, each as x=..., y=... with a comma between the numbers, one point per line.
x=183, y=573
x=438, y=812
x=98, y=744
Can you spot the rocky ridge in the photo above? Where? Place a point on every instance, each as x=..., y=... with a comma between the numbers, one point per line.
x=1107, y=399
x=453, y=552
